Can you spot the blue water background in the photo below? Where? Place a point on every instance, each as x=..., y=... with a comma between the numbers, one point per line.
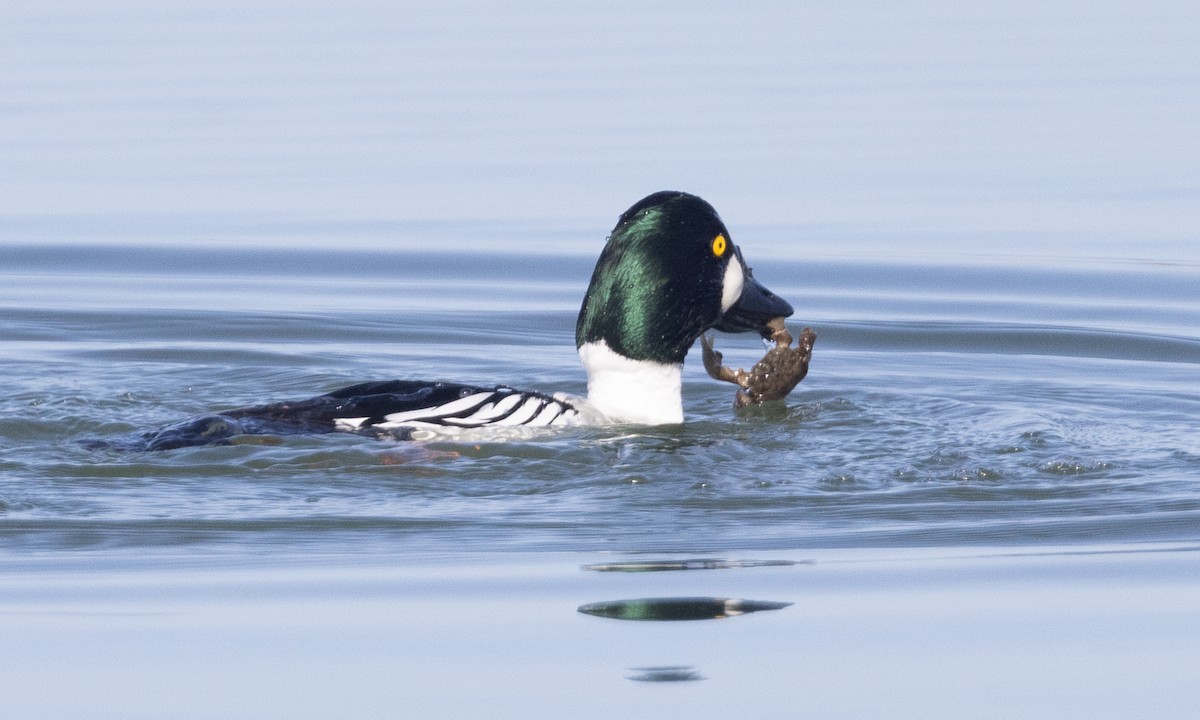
x=990, y=478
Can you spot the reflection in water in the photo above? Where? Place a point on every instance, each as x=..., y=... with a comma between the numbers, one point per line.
x=666, y=673
x=688, y=608
x=694, y=564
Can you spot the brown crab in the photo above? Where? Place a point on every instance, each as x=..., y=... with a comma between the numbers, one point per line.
x=771, y=378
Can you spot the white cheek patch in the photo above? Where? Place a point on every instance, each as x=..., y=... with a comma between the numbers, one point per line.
x=731, y=286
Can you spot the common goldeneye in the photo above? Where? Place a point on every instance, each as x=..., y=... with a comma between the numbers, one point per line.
x=668, y=272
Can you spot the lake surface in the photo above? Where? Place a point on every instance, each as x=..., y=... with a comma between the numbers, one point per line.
x=984, y=500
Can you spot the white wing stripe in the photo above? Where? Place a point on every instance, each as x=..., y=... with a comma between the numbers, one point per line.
x=489, y=411
x=449, y=408
x=489, y=407
x=548, y=414
x=523, y=414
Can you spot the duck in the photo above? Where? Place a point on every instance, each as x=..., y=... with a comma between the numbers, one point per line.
x=669, y=272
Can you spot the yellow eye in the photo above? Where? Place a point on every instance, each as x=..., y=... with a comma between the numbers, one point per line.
x=719, y=245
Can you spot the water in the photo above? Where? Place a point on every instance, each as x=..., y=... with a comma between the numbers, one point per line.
x=949, y=403
x=987, y=487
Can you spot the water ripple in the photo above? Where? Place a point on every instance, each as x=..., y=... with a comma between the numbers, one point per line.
x=929, y=417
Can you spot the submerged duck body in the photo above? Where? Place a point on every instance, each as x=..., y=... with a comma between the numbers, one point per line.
x=668, y=272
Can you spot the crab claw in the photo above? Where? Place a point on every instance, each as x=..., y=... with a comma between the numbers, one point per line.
x=712, y=363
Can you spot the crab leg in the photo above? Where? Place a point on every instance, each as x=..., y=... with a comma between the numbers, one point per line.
x=714, y=368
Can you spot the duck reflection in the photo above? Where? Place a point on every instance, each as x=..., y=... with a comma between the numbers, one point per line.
x=687, y=564
x=666, y=673
x=678, y=608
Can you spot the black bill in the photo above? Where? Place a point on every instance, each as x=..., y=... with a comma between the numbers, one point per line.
x=754, y=308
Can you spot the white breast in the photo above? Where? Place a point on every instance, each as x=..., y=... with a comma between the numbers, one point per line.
x=632, y=391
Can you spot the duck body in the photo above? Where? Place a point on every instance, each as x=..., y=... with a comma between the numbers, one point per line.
x=401, y=409
x=668, y=273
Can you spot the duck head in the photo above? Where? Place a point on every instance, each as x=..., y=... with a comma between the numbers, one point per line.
x=669, y=272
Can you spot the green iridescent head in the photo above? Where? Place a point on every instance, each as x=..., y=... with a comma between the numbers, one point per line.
x=668, y=272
